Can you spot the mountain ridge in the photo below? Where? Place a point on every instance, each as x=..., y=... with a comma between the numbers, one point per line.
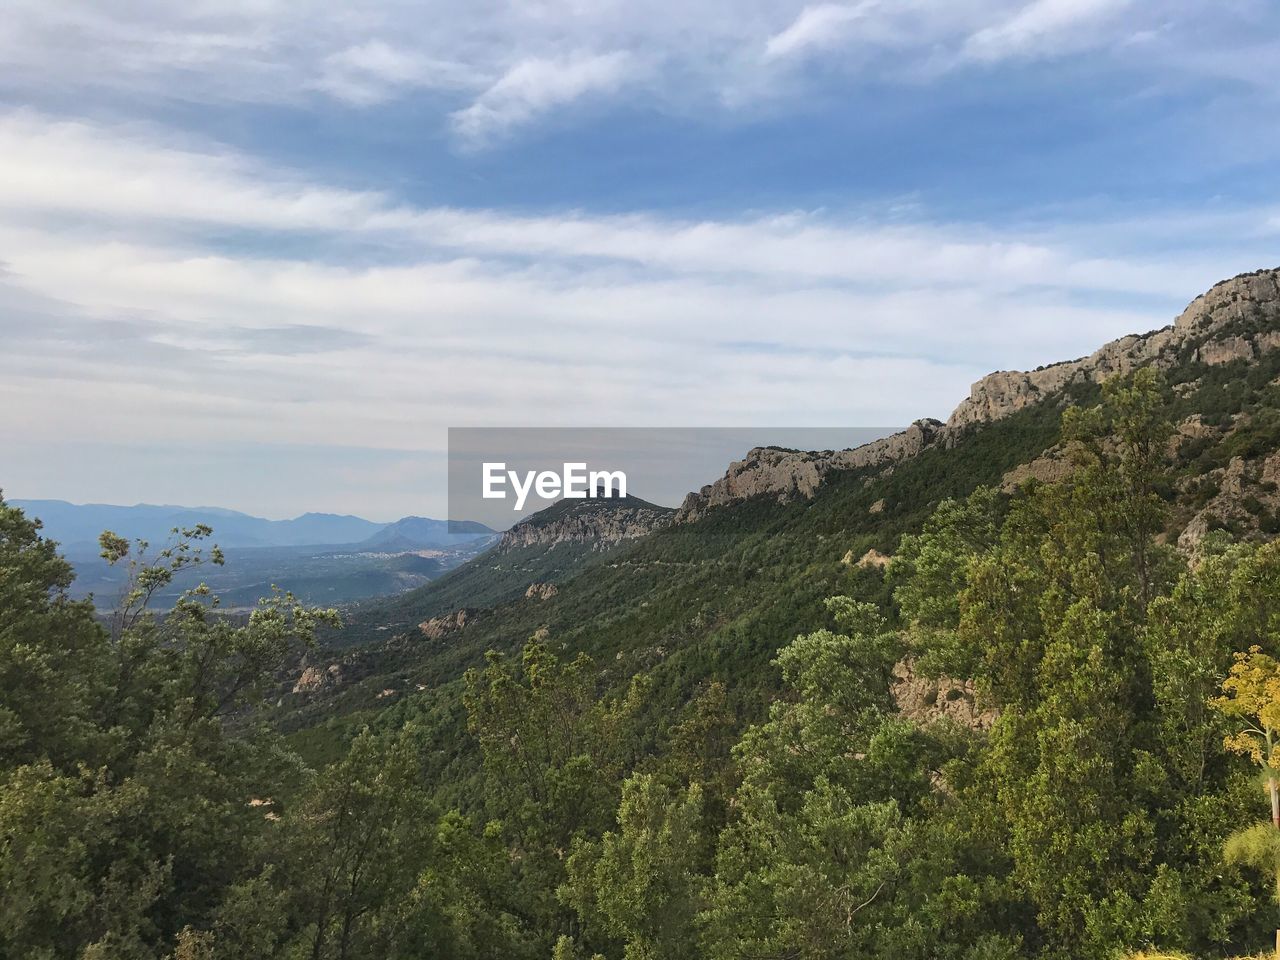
x=590, y=520
x=1241, y=299
x=77, y=526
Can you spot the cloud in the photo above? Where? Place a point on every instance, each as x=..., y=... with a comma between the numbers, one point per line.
x=143, y=188
x=493, y=67
x=70, y=167
x=535, y=87
x=1045, y=27
x=373, y=71
x=817, y=27
x=379, y=322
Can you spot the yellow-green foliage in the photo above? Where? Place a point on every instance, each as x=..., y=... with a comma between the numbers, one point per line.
x=1253, y=694
x=1256, y=846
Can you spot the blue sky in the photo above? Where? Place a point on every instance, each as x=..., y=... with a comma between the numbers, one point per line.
x=261, y=254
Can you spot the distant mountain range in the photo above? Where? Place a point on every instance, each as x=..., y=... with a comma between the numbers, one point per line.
x=77, y=526
x=414, y=533
x=322, y=558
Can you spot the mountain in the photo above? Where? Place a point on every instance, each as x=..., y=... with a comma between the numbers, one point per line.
x=77, y=526
x=544, y=548
x=599, y=521
x=1236, y=320
x=322, y=558
x=423, y=533
x=716, y=589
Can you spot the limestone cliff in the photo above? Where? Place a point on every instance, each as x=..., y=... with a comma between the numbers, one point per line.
x=541, y=591
x=437, y=628
x=314, y=679
x=796, y=473
x=1236, y=319
x=1252, y=299
x=928, y=700
x=1245, y=494
x=596, y=521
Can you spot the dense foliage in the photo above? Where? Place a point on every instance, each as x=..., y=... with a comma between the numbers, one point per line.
x=1108, y=799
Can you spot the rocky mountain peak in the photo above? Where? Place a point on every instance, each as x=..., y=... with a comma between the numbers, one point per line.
x=1237, y=318
x=599, y=521
x=787, y=474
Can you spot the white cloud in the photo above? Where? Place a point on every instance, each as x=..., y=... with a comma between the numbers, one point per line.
x=118, y=293
x=80, y=169
x=496, y=66
x=374, y=71
x=817, y=27
x=1045, y=27
x=143, y=188
x=537, y=86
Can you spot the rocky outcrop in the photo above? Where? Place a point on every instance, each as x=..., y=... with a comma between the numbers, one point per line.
x=540, y=591
x=437, y=628
x=927, y=700
x=1253, y=298
x=599, y=521
x=1227, y=349
x=1238, y=319
x=1246, y=492
x=1191, y=429
x=789, y=474
x=1050, y=467
x=316, y=679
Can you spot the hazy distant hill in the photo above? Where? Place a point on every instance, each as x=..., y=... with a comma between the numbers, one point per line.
x=77, y=526
x=418, y=533
x=322, y=558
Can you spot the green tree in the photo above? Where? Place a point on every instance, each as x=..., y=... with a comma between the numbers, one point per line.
x=639, y=883
x=54, y=657
x=1054, y=614
x=358, y=842
x=130, y=756
x=816, y=861
x=554, y=757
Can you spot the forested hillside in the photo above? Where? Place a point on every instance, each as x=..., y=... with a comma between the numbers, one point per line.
x=1043, y=728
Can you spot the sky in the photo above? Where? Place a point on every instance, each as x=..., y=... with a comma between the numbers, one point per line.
x=260, y=254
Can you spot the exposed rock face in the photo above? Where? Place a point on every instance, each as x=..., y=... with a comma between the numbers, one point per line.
x=1253, y=296
x=1241, y=485
x=1194, y=428
x=874, y=558
x=598, y=521
x=927, y=700
x=1225, y=350
x=439, y=627
x=315, y=679
x=540, y=591
x=787, y=474
x=1251, y=301
x=1050, y=467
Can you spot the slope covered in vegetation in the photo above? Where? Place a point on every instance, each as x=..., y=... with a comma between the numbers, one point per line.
x=699, y=744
